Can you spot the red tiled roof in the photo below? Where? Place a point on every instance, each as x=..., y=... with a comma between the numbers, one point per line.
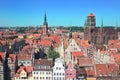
x=43, y=62
x=23, y=56
x=77, y=54
x=27, y=69
x=91, y=15
x=45, y=43
x=2, y=42
x=85, y=61
x=111, y=68
x=90, y=72
x=117, y=57
x=65, y=41
x=2, y=56
x=12, y=56
x=101, y=69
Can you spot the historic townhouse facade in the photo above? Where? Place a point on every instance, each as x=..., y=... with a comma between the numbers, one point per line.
x=70, y=72
x=24, y=73
x=59, y=70
x=42, y=69
x=11, y=66
x=2, y=59
x=73, y=46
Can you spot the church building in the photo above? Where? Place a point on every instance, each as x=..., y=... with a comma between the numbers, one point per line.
x=98, y=35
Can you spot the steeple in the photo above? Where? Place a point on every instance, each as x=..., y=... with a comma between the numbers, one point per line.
x=85, y=24
x=116, y=25
x=102, y=23
x=45, y=25
x=45, y=19
x=101, y=31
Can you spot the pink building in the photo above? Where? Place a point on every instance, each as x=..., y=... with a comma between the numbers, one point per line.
x=70, y=72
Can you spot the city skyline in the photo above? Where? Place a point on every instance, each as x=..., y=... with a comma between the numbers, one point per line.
x=59, y=13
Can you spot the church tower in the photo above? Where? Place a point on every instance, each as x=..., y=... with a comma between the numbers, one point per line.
x=91, y=22
x=90, y=25
x=45, y=25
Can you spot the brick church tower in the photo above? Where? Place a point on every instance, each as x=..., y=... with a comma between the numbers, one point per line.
x=45, y=25
x=90, y=24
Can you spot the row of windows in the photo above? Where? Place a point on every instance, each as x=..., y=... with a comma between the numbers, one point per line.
x=42, y=73
x=42, y=77
x=59, y=78
x=71, y=74
x=24, y=62
x=42, y=67
x=61, y=74
x=58, y=68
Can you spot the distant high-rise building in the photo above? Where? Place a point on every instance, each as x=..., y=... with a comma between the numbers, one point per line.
x=45, y=25
x=98, y=35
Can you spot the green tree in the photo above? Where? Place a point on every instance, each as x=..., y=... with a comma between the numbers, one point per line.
x=53, y=54
x=118, y=51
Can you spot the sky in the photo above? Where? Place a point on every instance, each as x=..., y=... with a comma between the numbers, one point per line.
x=59, y=12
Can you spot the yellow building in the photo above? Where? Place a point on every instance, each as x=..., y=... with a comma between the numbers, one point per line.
x=24, y=73
x=91, y=78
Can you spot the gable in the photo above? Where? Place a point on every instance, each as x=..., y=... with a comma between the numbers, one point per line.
x=23, y=73
x=73, y=46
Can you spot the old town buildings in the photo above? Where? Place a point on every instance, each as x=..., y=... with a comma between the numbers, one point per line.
x=82, y=55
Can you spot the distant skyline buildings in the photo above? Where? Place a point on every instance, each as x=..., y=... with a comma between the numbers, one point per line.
x=59, y=12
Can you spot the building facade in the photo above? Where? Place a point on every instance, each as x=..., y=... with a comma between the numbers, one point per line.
x=24, y=73
x=72, y=46
x=2, y=59
x=42, y=69
x=59, y=70
x=11, y=66
x=24, y=59
x=70, y=72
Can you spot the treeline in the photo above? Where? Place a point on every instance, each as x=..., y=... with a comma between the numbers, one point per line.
x=73, y=28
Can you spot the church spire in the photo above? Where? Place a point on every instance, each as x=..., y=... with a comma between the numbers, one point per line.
x=116, y=25
x=45, y=19
x=45, y=25
x=102, y=23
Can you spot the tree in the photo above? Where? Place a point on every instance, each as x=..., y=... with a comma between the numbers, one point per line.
x=53, y=54
x=118, y=52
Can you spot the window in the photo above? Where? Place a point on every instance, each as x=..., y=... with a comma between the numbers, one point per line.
x=40, y=72
x=40, y=77
x=46, y=72
x=59, y=68
x=28, y=62
x=56, y=68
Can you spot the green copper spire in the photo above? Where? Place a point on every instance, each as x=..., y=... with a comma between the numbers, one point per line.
x=45, y=19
